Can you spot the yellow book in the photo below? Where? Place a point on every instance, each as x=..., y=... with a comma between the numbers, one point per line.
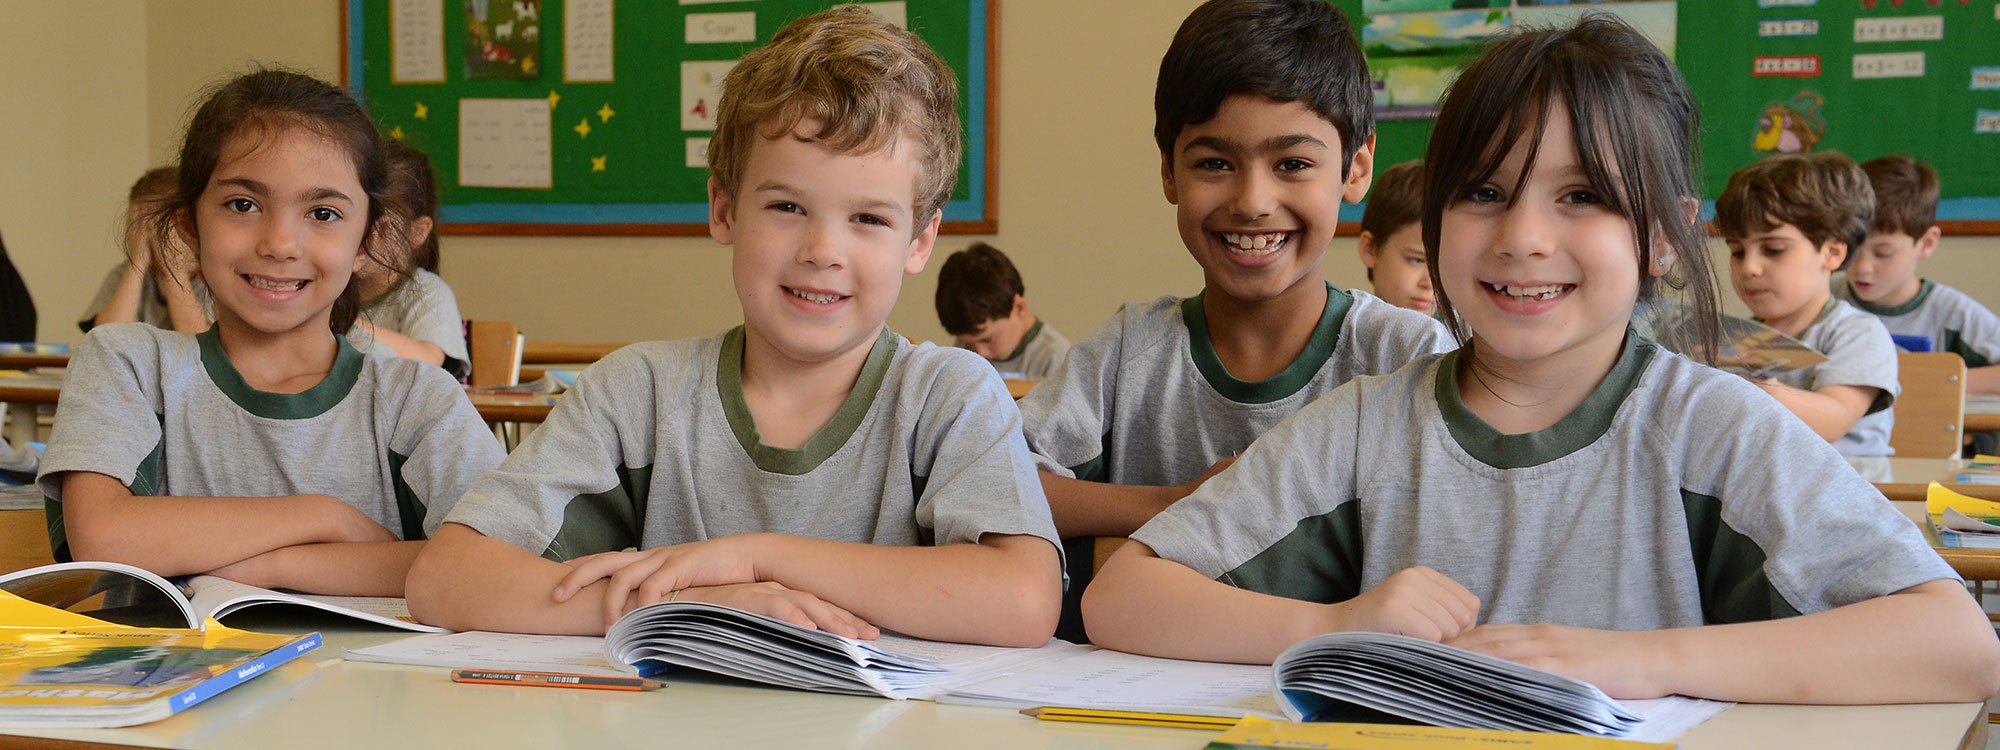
x=1255, y=732
x=1939, y=497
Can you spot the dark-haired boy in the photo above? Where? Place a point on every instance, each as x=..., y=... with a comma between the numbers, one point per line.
x=1264, y=123
x=1883, y=281
x=982, y=303
x=1392, y=238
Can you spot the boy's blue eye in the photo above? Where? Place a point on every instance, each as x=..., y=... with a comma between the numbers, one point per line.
x=240, y=205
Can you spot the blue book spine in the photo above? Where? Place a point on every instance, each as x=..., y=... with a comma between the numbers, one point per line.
x=243, y=672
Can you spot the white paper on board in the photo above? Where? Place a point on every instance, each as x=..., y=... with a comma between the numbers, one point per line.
x=1899, y=29
x=697, y=153
x=708, y=28
x=416, y=41
x=897, y=13
x=1889, y=65
x=701, y=88
x=587, y=28
x=504, y=143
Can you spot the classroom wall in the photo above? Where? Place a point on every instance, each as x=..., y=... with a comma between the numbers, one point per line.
x=1080, y=204
x=73, y=90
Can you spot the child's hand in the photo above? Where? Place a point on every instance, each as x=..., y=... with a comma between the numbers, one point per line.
x=1418, y=602
x=636, y=579
x=796, y=607
x=1619, y=663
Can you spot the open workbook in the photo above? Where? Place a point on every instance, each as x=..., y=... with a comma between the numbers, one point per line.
x=137, y=597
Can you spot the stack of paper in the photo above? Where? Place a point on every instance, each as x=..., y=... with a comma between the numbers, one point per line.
x=1438, y=684
x=754, y=647
x=1114, y=681
x=1982, y=470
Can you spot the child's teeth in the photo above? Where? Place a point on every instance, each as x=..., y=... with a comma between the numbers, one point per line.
x=822, y=299
x=1253, y=244
x=275, y=285
x=1529, y=292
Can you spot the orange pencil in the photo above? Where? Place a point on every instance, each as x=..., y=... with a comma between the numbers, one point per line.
x=553, y=679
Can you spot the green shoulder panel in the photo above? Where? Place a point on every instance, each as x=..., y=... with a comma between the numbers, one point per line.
x=1320, y=561
x=1729, y=568
x=145, y=483
x=604, y=521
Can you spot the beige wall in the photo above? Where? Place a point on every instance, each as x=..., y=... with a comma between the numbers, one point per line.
x=72, y=138
x=1080, y=204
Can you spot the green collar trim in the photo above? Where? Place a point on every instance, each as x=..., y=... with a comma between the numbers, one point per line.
x=1923, y=293
x=306, y=404
x=1579, y=428
x=1294, y=377
x=829, y=438
x=1022, y=348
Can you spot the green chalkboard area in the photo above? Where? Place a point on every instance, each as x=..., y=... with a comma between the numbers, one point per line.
x=629, y=109
x=1863, y=77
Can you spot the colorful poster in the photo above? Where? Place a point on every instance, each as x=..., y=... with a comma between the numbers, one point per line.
x=503, y=38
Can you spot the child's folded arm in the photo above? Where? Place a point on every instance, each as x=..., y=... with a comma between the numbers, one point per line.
x=182, y=535
x=330, y=568
x=1830, y=411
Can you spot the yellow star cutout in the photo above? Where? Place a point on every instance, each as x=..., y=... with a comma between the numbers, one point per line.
x=597, y=162
x=423, y=112
x=553, y=98
x=528, y=64
x=582, y=128
x=396, y=132
x=605, y=112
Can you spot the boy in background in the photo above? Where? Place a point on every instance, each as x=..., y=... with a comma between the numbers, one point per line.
x=809, y=465
x=1392, y=240
x=982, y=303
x=1791, y=221
x=1263, y=117
x=1883, y=279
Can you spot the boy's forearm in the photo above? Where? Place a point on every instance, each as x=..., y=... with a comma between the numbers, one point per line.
x=1142, y=604
x=333, y=568
x=1829, y=417
x=465, y=580
x=407, y=347
x=123, y=305
x=1085, y=508
x=1005, y=591
x=1982, y=381
x=1926, y=644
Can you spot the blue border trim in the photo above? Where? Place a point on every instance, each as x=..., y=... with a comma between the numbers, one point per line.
x=969, y=209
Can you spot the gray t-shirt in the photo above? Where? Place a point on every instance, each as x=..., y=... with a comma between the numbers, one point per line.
x=1859, y=353
x=1676, y=495
x=166, y=413
x=655, y=446
x=1951, y=319
x=1146, y=400
x=152, y=303
x=422, y=307
x=1038, y=355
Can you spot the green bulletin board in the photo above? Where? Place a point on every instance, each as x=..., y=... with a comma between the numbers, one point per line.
x=1863, y=77
x=628, y=89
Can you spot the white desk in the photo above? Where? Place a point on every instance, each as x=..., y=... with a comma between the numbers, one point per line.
x=322, y=702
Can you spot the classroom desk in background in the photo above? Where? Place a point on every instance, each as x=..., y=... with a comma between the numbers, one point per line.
x=320, y=701
x=563, y=353
x=27, y=391
x=1982, y=414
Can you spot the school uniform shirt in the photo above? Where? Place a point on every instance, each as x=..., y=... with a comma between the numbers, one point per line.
x=1951, y=319
x=1858, y=352
x=166, y=413
x=1146, y=400
x=1676, y=495
x=1038, y=355
x=655, y=446
x=152, y=303
x=421, y=307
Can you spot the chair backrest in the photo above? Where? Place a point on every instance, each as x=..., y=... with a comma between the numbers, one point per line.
x=1930, y=413
x=495, y=349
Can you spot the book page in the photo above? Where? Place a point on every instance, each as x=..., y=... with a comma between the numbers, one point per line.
x=503, y=651
x=1111, y=680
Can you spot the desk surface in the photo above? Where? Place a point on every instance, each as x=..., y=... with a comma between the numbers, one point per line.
x=322, y=701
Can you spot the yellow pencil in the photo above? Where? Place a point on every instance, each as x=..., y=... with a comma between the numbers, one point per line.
x=1135, y=718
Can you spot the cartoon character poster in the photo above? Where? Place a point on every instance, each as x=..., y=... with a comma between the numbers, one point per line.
x=503, y=38
x=1790, y=127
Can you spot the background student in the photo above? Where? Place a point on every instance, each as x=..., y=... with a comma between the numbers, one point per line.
x=810, y=464
x=1264, y=123
x=264, y=449
x=1559, y=491
x=409, y=313
x=1883, y=280
x=1791, y=221
x=1392, y=241
x=983, y=304
x=167, y=295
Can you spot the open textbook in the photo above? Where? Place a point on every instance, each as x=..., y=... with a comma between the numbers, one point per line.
x=62, y=669
x=753, y=647
x=137, y=597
